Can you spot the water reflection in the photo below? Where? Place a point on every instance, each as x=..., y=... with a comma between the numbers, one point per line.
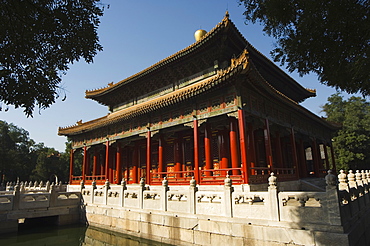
x=72, y=235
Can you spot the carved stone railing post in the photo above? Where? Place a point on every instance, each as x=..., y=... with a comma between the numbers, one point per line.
x=82, y=185
x=47, y=186
x=360, y=185
x=22, y=188
x=367, y=177
x=53, y=195
x=93, y=188
x=332, y=201
x=342, y=178
x=106, y=188
x=141, y=193
x=192, y=196
x=123, y=187
x=360, y=189
x=358, y=176
x=17, y=197
x=353, y=193
x=227, y=200
x=165, y=189
x=363, y=177
x=351, y=180
x=364, y=187
x=273, y=200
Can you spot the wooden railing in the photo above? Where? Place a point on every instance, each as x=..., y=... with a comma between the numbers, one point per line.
x=217, y=176
x=259, y=174
x=176, y=177
x=207, y=176
x=99, y=179
x=75, y=180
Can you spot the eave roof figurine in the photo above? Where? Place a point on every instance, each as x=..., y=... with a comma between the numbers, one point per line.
x=218, y=107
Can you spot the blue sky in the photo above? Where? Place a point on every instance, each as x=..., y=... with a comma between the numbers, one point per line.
x=136, y=34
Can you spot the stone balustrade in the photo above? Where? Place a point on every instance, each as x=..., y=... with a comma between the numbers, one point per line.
x=354, y=196
x=340, y=204
x=29, y=195
x=234, y=212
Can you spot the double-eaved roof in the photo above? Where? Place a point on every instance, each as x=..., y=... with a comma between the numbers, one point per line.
x=222, y=44
x=279, y=79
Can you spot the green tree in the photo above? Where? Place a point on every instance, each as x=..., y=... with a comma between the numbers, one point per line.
x=21, y=157
x=78, y=159
x=15, y=158
x=49, y=164
x=330, y=38
x=352, y=141
x=39, y=39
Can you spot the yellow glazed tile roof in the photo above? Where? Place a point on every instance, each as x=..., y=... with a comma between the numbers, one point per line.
x=237, y=66
x=111, y=86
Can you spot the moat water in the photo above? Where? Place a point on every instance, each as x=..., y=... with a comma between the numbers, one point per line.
x=46, y=235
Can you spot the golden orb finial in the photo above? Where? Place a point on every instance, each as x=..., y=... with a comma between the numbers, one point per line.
x=227, y=14
x=199, y=34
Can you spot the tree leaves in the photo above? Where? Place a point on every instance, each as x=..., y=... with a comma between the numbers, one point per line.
x=352, y=141
x=330, y=38
x=21, y=157
x=39, y=38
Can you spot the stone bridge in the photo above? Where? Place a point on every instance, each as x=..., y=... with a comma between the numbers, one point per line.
x=22, y=201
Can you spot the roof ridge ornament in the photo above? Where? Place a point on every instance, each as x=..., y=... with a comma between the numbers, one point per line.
x=226, y=17
x=311, y=90
x=199, y=34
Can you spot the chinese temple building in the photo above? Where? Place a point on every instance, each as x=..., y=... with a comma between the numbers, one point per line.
x=218, y=107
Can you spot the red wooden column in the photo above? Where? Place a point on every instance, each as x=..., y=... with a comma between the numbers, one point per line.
x=178, y=155
x=88, y=162
x=111, y=165
x=160, y=156
x=333, y=157
x=302, y=159
x=327, y=164
x=234, y=146
x=107, y=160
x=315, y=158
x=224, y=162
x=148, y=157
x=118, y=164
x=135, y=164
x=279, y=153
x=127, y=164
x=84, y=164
x=196, y=150
x=102, y=163
x=243, y=145
x=208, y=149
x=71, y=162
x=268, y=145
x=95, y=162
x=251, y=148
x=294, y=152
